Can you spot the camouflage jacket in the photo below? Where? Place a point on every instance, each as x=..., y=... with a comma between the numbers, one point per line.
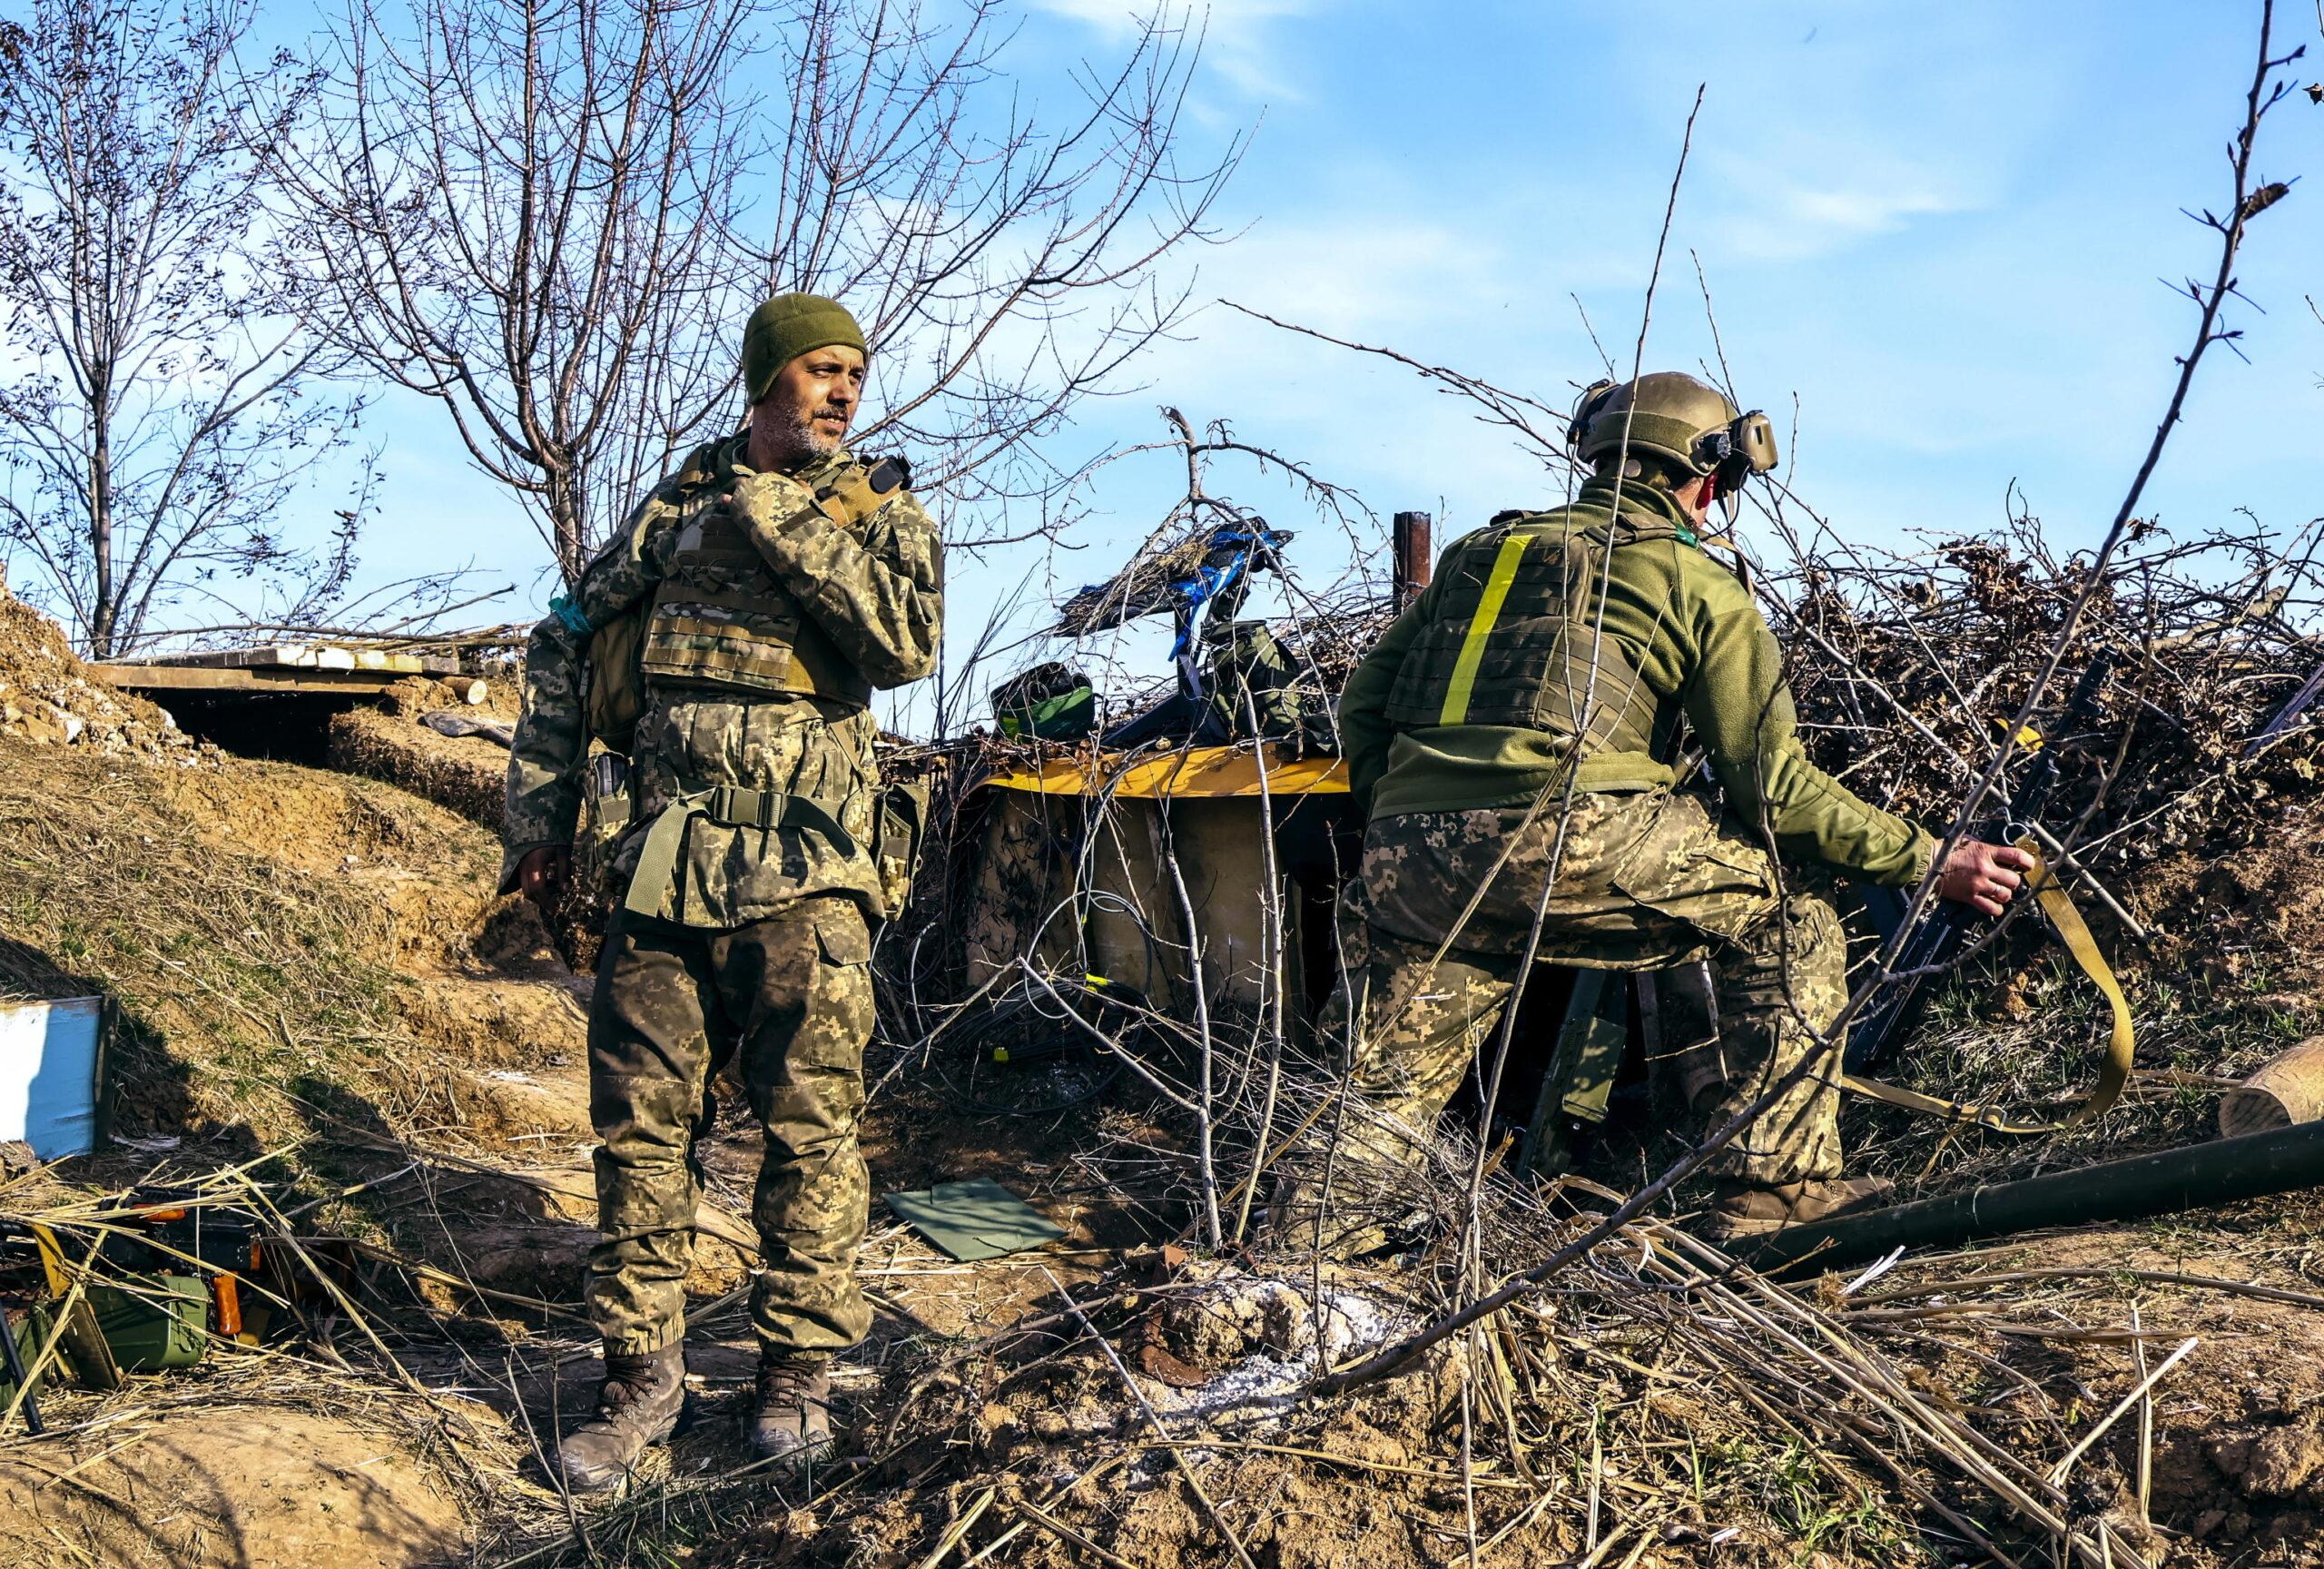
x=1701, y=652
x=876, y=590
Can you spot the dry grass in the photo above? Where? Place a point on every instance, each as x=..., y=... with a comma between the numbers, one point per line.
x=240, y=974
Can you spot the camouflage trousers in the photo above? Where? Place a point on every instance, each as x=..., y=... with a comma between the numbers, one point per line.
x=788, y=1002
x=1645, y=881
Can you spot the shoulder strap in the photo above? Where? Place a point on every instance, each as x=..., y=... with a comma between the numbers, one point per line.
x=857, y=491
x=702, y=465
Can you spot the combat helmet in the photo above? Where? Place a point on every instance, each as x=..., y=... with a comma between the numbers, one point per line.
x=1688, y=423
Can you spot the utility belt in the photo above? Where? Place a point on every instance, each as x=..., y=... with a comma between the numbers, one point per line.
x=899, y=818
x=654, y=878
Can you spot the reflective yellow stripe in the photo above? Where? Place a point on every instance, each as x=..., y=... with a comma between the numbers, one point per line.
x=1473, y=646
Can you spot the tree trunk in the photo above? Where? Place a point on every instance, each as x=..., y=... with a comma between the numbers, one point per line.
x=104, y=609
x=568, y=523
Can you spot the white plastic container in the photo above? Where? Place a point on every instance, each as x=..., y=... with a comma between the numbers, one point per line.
x=52, y=1064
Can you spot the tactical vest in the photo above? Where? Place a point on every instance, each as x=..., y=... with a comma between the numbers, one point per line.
x=721, y=620
x=1510, y=642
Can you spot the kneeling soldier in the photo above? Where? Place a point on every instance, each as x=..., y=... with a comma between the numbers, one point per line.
x=732, y=633
x=1572, y=644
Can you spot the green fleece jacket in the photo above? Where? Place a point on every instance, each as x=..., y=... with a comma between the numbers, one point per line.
x=1703, y=651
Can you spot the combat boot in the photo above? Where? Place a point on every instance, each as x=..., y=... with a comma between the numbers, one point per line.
x=1754, y=1210
x=791, y=1421
x=637, y=1406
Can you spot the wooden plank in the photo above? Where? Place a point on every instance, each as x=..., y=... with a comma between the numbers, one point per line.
x=307, y=657
x=208, y=678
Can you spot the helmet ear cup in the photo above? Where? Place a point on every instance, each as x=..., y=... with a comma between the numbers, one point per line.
x=1585, y=408
x=1736, y=450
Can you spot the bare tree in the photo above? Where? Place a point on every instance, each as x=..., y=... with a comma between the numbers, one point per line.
x=1006, y=260
x=539, y=210
x=167, y=341
x=529, y=207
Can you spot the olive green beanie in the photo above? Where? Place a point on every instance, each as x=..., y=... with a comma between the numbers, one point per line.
x=788, y=326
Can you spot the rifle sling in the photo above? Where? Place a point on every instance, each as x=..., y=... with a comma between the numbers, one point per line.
x=2112, y=1073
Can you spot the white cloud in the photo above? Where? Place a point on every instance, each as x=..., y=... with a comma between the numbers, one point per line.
x=1794, y=221
x=1863, y=212
x=1238, y=36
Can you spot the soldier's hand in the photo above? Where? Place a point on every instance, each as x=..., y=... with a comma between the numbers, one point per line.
x=1984, y=876
x=544, y=875
x=771, y=497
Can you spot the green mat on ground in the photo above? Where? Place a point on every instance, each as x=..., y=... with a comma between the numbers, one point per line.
x=974, y=1220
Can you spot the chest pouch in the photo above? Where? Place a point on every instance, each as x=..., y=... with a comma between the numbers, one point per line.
x=721, y=619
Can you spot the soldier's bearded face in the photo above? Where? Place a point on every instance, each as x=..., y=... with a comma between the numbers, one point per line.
x=805, y=414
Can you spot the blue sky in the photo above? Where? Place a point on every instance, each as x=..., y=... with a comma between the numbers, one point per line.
x=1941, y=230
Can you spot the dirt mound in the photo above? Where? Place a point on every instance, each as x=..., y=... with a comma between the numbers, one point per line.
x=2238, y=1455
x=496, y=1024
x=231, y=1489
x=463, y=773
x=47, y=695
x=2253, y=913
x=268, y=928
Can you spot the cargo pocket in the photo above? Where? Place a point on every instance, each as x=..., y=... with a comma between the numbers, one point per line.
x=840, y=937
x=824, y=1058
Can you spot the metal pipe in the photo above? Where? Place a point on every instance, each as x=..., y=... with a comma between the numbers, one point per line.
x=2280, y=1160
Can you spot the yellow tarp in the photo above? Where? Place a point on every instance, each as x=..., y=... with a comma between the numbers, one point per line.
x=1203, y=771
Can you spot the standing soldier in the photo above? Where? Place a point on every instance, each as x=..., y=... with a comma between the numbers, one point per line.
x=1568, y=646
x=729, y=638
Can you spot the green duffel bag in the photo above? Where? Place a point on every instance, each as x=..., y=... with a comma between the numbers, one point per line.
x=1050, y=701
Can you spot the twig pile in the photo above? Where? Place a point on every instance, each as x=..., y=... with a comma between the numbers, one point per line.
x=1906, y=668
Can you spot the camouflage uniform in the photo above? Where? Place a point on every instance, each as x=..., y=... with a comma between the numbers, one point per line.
x=790, y=996
x=748, y=942
x=1646, y=880
x=1571, y=647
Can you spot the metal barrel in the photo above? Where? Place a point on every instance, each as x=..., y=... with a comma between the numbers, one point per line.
x=2280, y=1160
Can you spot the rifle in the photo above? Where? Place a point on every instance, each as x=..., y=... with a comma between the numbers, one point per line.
x=1944, y=929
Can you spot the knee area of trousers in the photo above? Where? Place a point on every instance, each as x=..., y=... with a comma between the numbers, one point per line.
x=631, y=1113
x=1815, y=927
x=1805, y=942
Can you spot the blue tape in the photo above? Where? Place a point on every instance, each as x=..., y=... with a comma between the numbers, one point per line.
x=1193, y=593
x=566, y=611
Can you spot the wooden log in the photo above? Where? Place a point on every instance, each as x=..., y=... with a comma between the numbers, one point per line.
x=2289, y=1089
x=1412, y=555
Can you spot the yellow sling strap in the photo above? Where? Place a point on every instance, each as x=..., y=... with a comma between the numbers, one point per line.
x=2113, y=1074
